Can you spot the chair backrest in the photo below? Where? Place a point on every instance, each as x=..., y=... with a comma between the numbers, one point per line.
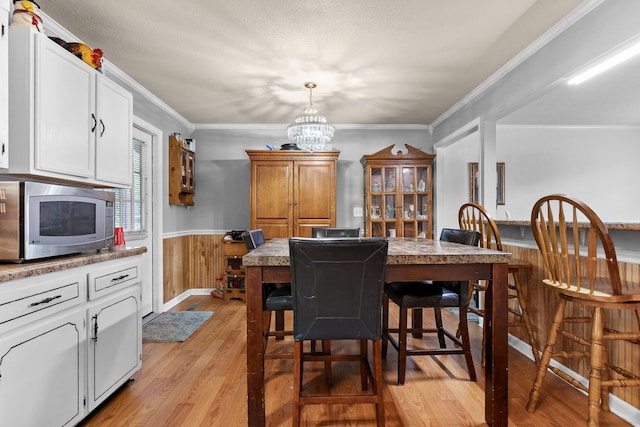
x=253, y=238
x=324, y=232
x=465, y=237
x=337, y=287
x=570, y=235
x=473, y=216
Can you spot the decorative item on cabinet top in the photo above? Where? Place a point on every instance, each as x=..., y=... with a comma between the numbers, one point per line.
x=27, y=14
x=181, y=171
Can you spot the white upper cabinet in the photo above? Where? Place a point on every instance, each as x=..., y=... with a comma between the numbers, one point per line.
x=67, y=121
x=4, y=83
x=113, y=139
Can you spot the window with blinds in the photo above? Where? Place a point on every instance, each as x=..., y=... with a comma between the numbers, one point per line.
x=130, y=210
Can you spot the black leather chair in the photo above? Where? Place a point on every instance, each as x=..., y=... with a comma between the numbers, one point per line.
x=427, y=294
x=325, y=232
x=277, y=297
x=337, y=292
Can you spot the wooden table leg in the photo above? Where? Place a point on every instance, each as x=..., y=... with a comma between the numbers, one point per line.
x=496, y=369
x=255, y=354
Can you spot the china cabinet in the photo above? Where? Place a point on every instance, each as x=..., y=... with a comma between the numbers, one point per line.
x=398, y=193
x=181, y=173
x=292, y=191
x=68, y=120
x=4, y=83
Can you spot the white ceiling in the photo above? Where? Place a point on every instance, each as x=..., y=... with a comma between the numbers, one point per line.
x=246, y=61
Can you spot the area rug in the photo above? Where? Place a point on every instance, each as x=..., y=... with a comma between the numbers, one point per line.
x=173, y=326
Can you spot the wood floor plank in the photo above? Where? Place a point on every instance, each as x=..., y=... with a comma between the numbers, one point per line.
x=202, y=382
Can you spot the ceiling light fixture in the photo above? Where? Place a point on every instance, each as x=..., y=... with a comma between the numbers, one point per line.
x=310, y=130
x=610, y=61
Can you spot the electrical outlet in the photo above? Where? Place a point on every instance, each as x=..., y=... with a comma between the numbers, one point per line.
x=357, y=212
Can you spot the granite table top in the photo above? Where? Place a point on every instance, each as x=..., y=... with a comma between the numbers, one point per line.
x=14, y=271
x=402, y=250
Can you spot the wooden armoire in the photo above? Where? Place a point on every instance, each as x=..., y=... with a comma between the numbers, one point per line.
x=292, y=191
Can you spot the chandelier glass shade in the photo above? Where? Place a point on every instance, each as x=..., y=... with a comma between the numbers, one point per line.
x=310, y=130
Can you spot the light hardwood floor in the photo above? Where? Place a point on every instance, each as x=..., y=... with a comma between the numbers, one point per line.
x=202, y=382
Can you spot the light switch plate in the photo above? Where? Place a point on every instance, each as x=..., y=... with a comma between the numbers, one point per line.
x=357, y=212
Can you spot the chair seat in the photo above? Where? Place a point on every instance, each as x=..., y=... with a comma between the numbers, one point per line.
x=601, y=292
x=421, y=294
x=279, y=299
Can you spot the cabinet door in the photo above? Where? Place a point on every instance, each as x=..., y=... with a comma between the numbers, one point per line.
x=113, y=133
x=272, y=198
x=64, y=112
x=4, y=87
x=314, y=200
x=43, y=374
x=115, y=342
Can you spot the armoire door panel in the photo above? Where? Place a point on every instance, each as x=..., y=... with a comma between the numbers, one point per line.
x=272, y=190
x=274, y=229
x=314, y=194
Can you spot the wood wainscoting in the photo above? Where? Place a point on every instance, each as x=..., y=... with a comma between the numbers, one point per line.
x=191, y=262
x=542, y=302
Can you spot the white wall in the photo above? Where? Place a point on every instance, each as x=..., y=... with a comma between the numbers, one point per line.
x=453, y=170
x=597, y=165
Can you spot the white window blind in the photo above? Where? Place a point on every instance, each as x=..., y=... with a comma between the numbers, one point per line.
x=130, y=203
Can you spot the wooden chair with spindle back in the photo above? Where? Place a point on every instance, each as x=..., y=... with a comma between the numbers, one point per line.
x=570, y=237
x=473, y=216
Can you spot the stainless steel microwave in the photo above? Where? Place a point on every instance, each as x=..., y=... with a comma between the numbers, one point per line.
x=39, y=220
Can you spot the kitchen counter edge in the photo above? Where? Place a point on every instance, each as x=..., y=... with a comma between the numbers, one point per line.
x=9, y=272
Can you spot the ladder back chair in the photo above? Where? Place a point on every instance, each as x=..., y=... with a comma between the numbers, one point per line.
x=337, y=294
x=473, y=216
x=571, y=237
x=427, y=294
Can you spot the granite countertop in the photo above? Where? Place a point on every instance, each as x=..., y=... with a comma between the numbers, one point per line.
x=34, y=268
x=624, y=226
x=402, y=250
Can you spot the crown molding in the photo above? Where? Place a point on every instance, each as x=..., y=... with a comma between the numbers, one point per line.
x=529, y=51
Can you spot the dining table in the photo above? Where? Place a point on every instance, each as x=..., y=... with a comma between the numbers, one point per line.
x=409, y=259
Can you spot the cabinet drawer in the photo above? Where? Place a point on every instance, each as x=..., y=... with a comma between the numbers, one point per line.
x=113, y=277
x=28, y=303
x=231, y=249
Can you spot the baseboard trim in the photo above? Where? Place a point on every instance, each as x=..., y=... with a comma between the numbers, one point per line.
x=183, y=296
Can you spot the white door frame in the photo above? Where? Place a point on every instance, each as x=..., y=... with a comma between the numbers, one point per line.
x=158, y=202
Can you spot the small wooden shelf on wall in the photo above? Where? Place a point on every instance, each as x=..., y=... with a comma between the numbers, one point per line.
x=181, y=173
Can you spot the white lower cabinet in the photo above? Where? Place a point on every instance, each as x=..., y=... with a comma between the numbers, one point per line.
x=115, y=342
x=64, y=349
x=42, y=372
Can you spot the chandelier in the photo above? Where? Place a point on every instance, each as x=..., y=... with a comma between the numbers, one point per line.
x=310, y=130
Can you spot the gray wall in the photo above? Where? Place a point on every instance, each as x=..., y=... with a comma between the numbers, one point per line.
x=222, y=170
